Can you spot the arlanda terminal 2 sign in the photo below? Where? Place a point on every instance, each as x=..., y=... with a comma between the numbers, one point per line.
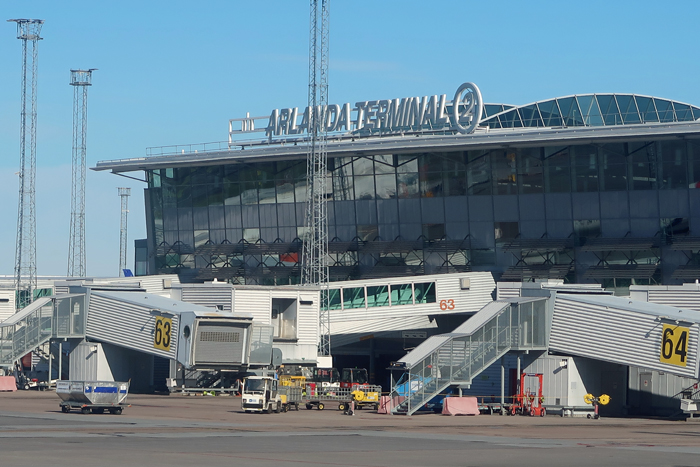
x=462, y=114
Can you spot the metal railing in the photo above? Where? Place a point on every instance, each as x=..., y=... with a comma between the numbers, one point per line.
x=462, y=357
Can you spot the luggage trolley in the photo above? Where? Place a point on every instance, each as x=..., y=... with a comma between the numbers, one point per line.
x=92, y=396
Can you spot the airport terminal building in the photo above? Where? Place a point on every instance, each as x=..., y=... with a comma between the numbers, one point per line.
x=592, y=188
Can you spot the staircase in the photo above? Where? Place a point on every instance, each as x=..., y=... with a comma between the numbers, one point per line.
x=458, y=357
x=26, y=331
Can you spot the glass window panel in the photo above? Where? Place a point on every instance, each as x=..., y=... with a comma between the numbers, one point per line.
x=550, y=113
x=665, y=110
x=433, y=231
x=531, y=116
x=628, y=108
x=587, y=228
x=384, y=164
x=363, y=166
x=504, y=172
x=215, y=191
x=232, y=193
x=300, y=192
x=401, y=294
x=364, y=187
x=608, y=108
x=585, y=169
x=683, y=113
x=694, y=159
x=506, y=231
x=367, y=232
x=642, y=160
x=431, y=184
x=478, y=173
x=455, y=183
x=590, y=109
x=407, y=185
x=249, y=193
x=353, y=297
x=407, y=163
x=647, y=109
x=425, y=292
x=613, y=167
x=566, y=106
x=285, y=191
x=334, y=299
x=378, y=296
x=557, y=169
x=266, y=192
x=674, y=165
x=386, y=186
x=531, y=171
x=342, y=184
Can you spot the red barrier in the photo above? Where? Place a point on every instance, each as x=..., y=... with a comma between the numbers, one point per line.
x=460, y=406
x=386, y=404
x=7, y=383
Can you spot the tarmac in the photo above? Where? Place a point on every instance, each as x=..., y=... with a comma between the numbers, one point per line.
x=177, y=430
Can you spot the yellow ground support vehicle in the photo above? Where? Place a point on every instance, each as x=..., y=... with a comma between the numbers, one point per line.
x=362, y=398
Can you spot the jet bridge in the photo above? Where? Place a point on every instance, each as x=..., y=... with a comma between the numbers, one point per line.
x=197, y=337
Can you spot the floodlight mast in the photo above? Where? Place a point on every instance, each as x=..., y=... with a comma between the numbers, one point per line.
x=80, y=80
x=315, y=248
x=28, y=31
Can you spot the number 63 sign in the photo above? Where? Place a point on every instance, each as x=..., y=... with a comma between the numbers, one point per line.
x=674, y=345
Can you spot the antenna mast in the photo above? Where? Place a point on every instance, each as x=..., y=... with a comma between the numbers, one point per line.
x=315, y=252
x=124, y=193
x=28, y=31
x=80, y=80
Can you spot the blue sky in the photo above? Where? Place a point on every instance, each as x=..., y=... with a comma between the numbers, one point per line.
x=175, y=72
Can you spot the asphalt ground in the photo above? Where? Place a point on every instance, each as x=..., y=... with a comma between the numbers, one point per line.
x=179, y=430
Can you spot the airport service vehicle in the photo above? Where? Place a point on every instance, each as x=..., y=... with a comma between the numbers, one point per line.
x=261, y=394
x=352, y=377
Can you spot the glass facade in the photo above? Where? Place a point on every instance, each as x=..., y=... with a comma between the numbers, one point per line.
x=524, y=211
x=431, y=212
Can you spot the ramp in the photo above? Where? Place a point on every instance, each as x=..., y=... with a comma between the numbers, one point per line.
x=458, y=357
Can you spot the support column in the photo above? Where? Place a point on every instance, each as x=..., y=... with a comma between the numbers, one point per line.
x=50, y=358
x=60, y=360
x=517, y=375
x=372, y=378
x=503, y=386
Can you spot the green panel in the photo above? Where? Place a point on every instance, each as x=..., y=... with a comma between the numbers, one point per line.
x=425, y=292
x=354, y=297
x=378, y=296
x=401, y=294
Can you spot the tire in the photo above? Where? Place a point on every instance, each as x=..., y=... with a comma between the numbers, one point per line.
x=308, y=407
x=543, y=412
x=278, y=408
x=376, y=407
x=342, y=407
x=296, y=407
x=321, y=406
x=269, y=408
x=588, y=416
x=65, y=409
x=25, y=387
x=358, y=406
x=85, y=410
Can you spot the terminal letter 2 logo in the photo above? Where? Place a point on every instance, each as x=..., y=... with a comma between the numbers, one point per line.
x=467, y=108
x=674, y=345
x=161, y=337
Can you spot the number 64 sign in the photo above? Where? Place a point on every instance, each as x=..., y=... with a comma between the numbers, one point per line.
x=674, y=345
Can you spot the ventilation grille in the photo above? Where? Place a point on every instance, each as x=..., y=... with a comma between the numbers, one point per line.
x=218, y=336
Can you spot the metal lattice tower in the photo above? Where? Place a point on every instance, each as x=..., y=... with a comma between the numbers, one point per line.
x=315, y=252
x=124, y=193
x=28, y=31
x=80, y=80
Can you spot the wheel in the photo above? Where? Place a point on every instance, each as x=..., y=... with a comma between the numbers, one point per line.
x=285, y=409
x=321, y=406
x=596, y=416
x=588, y=416
x=269, y=408
x=308, y=407
x=543, y=412
x=98, y=410
x=359, y=407
x=65, y=409
x=278, y=408
x=115, y=411
x=85, y=410
x=376, y=407
x=26, y=386
x=342, y=406
x=296, y=407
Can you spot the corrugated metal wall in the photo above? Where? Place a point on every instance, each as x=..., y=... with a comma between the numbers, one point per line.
x=614, y=335
x=220, y=298
x=159, y=285
x=89, y=365
x=126, y=325
x=7, y=304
